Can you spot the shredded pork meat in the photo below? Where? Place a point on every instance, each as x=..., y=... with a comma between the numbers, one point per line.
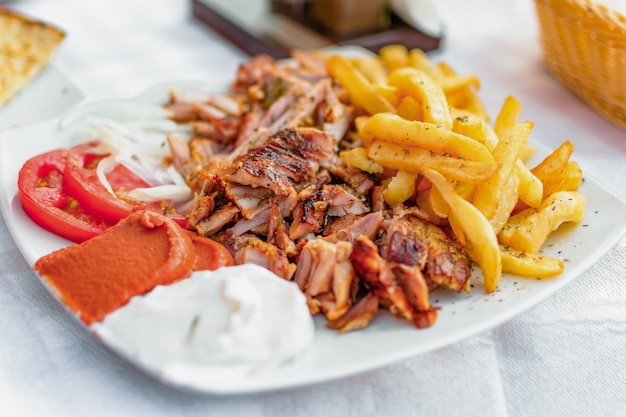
x=263, y=162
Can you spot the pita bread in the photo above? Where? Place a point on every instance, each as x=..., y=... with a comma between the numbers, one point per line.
x=26, y=47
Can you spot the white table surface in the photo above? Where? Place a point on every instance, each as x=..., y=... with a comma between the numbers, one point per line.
x=563, y=357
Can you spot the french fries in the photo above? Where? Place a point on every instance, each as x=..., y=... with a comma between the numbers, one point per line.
x=476, y=228
x=400, y=187
x=413, y=158
x=358, y=158
x=527, y=230
x=509, y=147
x=530, y=265
x=423, y=89
x=395, y=129
x=426, y=136
x=361, y=91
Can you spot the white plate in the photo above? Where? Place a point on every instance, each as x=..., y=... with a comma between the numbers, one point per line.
x=48, y=95
x=386, y=339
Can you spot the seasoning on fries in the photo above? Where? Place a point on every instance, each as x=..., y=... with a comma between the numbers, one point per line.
x=472, y=176
x=370, y=181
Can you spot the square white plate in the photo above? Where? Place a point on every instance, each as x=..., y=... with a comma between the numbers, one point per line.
x=386, y=339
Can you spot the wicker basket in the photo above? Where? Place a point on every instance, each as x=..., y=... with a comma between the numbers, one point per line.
x=584, y=45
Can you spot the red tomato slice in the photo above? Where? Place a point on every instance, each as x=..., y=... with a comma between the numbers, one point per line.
x=82, y=181
x=123, y=180
x=46, y=201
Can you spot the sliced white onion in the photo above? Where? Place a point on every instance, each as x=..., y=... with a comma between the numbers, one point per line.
x=105, y=166
x=122, y=110
x=135, y=133
x=176, y=193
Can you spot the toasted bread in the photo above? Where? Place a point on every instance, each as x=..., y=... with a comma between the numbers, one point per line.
x=26, y=47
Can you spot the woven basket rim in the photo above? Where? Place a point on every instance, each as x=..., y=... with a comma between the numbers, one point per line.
x=596, y=14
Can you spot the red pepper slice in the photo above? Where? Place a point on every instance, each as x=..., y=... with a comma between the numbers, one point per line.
x=46, y=201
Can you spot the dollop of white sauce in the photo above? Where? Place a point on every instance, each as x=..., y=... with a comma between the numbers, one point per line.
x=230, y=322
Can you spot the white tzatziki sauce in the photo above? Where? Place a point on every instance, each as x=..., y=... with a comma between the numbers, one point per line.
x=230, y=322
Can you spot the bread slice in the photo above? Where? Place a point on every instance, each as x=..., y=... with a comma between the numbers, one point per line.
x=26, y=47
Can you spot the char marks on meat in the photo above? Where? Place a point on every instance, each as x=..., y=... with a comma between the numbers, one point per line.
x=263, y=162
x=409, y=240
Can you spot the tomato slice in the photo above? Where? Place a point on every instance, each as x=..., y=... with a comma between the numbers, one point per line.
x=46, y=201
x=82, y=181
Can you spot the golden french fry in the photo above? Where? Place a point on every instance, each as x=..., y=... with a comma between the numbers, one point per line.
x=473, y=126
x=530, y=187
x=392, y=128
x=357, y=157
x=457, y=229
x=437, y=203
x=394, y=56
x=439, y=206
x=359, y=122
x=530, y=265
x=452, y=83
x=554, y=167
x=571, y=178
x=423, y=203
x=527, y=152
x=508, y=116
x=372, y=68
x=410, y=158
x=554, y=164
x=422, y=88
x=477, y=229
x=527, y=230
x=418, y=59
x=387, y=92
x=464, y=98
x=475, y=105
x=487, y=197
x=400, y=188
x=508, y=201
x=410, y=109
x=361, y=91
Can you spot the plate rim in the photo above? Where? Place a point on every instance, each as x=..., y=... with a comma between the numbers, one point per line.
x=618, y=232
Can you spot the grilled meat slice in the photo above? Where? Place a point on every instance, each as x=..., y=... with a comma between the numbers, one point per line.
x=250, y=200
x=325, y=275
x=358, y=316
x=398, y=287
x=277, y=233
x=258, y=223
x=416, y=289
x=248, y=248
x=315, y=266
x=290, y=156
x=203, y=207
x=217, y=220
x=367, y=225
x=309, y=215
x=343, y=202
x=412, y=241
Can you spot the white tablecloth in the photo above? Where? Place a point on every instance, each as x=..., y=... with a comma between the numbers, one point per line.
x=563, y=357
